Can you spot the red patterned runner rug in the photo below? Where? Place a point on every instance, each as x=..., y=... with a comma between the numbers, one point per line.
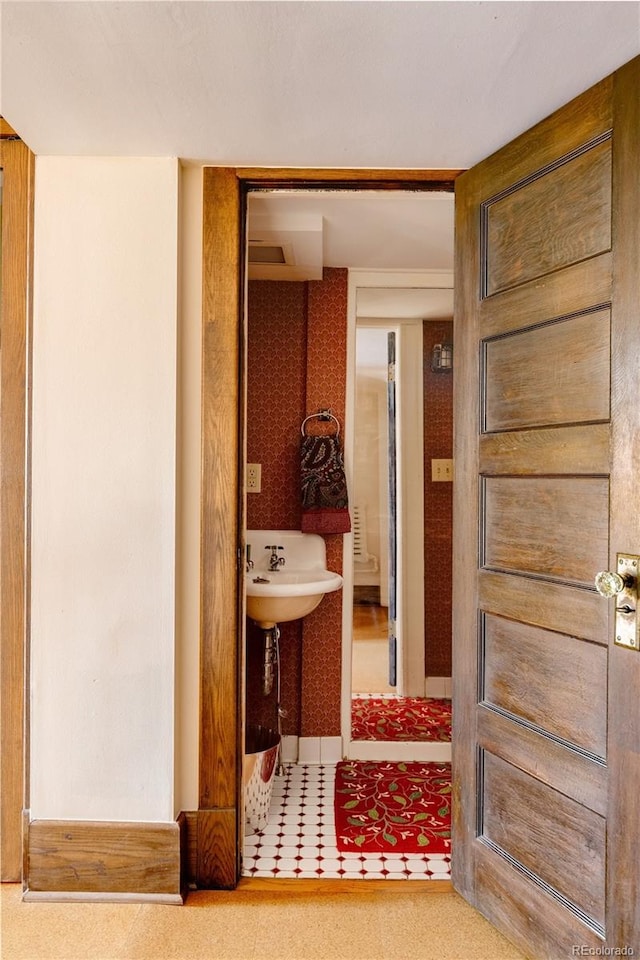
x=400, y=718
x=393, y=807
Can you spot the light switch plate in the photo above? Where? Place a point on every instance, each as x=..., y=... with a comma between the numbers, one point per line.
x=441, y=470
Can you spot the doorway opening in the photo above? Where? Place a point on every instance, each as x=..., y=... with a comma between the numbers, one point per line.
x=284, y=314
x=374, y=627
x=416, y=307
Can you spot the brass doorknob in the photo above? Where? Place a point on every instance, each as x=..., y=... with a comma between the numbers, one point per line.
x=609, y=584
x=623, y=585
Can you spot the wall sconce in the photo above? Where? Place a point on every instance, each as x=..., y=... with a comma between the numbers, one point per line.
x=442, y=358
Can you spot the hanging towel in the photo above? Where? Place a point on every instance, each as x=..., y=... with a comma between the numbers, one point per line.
x=325, y=504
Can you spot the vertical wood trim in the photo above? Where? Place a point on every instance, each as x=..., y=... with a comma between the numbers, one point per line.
x=220, y=726
x=17, y=231
x=623, y=862
x=218, y=854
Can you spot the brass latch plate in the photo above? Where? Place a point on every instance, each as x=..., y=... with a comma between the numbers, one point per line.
x=626, y=625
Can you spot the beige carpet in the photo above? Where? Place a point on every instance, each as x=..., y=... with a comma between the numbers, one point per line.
x=370, y=650
x=370, y=667
x=275, y=920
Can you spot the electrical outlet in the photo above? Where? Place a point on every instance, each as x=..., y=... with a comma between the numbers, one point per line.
x=441, y=470
x=254, y=477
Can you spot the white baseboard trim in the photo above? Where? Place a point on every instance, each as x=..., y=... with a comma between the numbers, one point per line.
x=329, y=750
x=289, y=749
x=438, y=687
x=318, y=750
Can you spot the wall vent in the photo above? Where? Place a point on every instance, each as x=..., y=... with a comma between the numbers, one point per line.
x=359, y=527
x=262, y=252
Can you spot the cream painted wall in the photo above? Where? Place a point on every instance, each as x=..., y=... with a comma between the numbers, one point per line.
x=369, y=470
x=104, y=489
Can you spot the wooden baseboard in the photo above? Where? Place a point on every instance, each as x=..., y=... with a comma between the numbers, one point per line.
x=103, y=860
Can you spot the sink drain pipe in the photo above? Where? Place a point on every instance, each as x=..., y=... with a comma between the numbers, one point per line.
x=271, y=671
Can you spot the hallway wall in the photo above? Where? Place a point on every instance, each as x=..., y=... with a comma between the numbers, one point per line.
x=103, y=489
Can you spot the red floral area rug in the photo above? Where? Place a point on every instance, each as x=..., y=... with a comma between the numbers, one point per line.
x=400, y=718
x=393, y=807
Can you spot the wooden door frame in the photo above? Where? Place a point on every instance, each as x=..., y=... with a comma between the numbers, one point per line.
x=219, y=826
x=18, y=163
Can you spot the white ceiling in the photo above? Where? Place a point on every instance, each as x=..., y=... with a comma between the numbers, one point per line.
x=310, y=83
x=366, y=84
x=369, y=230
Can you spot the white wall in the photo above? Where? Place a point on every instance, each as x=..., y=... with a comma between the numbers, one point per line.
x=370, y=468
x=104, y=469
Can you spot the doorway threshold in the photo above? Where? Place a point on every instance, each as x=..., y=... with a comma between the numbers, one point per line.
x=434, y=751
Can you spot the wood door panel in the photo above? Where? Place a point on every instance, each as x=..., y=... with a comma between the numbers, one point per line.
x=546, y=526
x=549, y=761
x=568, y=129
x=552, y=680
x=557, y=216
x=556, y=373
x=576, y=289
x=548, y=833
x=571, y=610
x=517, y=906
x=557, y=450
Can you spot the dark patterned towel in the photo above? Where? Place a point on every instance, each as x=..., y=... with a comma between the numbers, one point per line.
x=325, y=504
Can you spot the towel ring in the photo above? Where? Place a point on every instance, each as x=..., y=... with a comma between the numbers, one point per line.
x=321, y=415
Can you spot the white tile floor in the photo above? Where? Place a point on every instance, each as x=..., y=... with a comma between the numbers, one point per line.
x=299, y=839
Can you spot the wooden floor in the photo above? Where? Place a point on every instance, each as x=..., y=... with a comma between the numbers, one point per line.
x=370, y=651
x=370, y=622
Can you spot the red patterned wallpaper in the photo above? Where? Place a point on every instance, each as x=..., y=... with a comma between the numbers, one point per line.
x=326, y=387
x=296, y=364
x=438, y=505
x=276, y=390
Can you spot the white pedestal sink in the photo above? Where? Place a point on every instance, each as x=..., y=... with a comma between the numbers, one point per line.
x=297, y=586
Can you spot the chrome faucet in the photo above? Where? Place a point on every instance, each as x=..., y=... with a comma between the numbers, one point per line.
x=275, y=562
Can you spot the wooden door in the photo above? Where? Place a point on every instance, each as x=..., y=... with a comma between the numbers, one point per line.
x=546, y=742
